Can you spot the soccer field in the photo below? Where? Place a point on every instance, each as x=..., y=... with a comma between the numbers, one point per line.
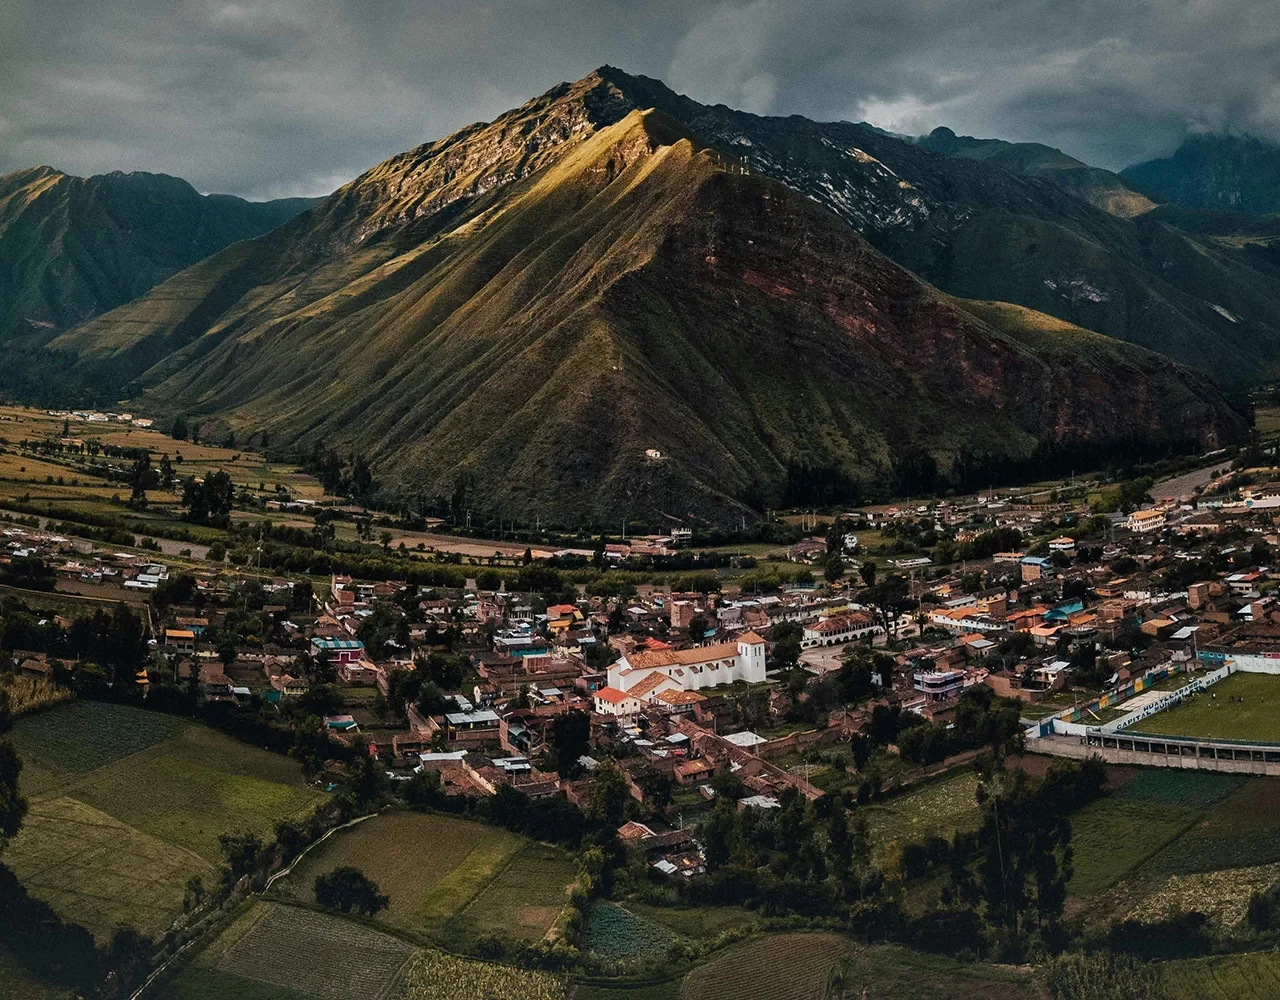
x=1213, y=714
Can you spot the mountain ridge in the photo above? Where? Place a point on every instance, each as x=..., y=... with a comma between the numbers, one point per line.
x=520, y=314
x=1101, y=188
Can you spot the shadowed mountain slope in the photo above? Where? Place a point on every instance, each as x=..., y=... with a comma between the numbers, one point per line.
x=1100, y=188
x=74, y=247
x=1216, y=173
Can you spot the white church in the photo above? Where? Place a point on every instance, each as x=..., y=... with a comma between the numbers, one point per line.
x=642, y=676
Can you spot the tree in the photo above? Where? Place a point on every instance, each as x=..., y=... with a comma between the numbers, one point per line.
x=1025, y=853
x=368, y=780
x=13, y=807
x=834, y=568
x=348, y=890
x=697, y=628
x=657, y=788
x=140, y=475
x=310, y=745
x=194, y=894
x=179, y=430
x=167, y=474
x=719, y=833
x=290, y=838
x=608, y=796
x=571, y=737
x=242, y=851
x=868, y=573
x=209, y=501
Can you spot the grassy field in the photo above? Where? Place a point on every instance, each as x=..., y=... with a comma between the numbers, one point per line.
x=200, y=784
x=695, y=921
x=1253, y=976
x=893, y=973
x=781, y=967
x=407, y=854
x=938, y=808
x=126, y=805
x=99, y=871
x=523, y=899
x=1212, y=714
x=450, y=877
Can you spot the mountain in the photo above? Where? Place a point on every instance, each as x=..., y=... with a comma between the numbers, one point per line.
x=980, y=231
x=1232, y=173
x=74, y=247
x=1100, y=188
x=584, y=310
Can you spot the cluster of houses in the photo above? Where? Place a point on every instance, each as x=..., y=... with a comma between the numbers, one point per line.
x=80, y=562
x=101, y=417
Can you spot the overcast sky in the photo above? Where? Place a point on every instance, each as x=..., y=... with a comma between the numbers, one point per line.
x=282, y=97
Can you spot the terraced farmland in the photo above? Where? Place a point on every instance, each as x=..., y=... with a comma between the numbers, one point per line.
x=317, y=955
x=1253, y=976
x=781, y=967
x=120, y=819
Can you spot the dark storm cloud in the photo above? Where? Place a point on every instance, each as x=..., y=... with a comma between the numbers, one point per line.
x=296, y=96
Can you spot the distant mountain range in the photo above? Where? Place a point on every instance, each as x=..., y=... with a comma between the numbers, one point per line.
x=1216, y=173
x=615, y=301
x=74, y=247
x=1100, y=188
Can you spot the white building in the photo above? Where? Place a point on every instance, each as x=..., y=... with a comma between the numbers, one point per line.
x=611, y=701
x=839, y=628
x=648, y=672
x=1146, y=520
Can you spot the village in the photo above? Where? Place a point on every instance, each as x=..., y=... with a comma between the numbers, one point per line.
x=701, y=693
x=678, y=699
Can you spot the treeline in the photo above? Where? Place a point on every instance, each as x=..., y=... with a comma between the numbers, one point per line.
x=341, y=475
x=1005, y=885
x=114, y=642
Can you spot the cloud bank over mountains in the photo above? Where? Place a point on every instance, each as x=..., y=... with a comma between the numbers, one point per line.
x=283, y=97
